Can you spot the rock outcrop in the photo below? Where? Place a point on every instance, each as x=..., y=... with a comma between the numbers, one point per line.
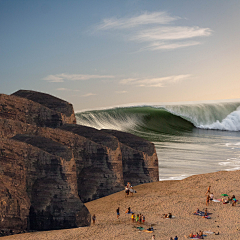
x=51, y=102
x=49, y=165
x=27, y=111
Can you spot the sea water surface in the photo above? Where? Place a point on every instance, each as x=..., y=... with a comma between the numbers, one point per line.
x=189, y=138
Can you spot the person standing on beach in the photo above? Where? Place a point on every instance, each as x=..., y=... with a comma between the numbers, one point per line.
x=206, y=213
x=137, y=218
x=207, y=200
x=133, y=217
x=94, y=218
x=176, y=238
x=126, y=191
x=118, y=213
x=153, y=237
x=208, y=190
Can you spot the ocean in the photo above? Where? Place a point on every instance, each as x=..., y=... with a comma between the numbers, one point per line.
x=189, y=139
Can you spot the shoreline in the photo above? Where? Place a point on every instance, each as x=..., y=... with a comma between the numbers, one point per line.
x=180, y=197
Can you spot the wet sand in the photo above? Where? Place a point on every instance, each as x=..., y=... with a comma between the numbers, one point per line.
x=181, y=198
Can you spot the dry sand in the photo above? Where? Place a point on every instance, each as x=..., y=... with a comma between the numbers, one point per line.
x=181, y=198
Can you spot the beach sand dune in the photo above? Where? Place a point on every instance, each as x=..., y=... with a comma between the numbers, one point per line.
x=181, y=198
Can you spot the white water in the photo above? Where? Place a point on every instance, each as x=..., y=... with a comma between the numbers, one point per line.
x=221, y=116
x=230, y=123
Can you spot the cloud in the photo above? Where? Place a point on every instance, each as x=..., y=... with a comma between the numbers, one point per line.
x=167, y=46
x=74, y=77
x=154, y=82
x=67, y=90
x=89, y=94
x=171, y=33
x=133, y=22
x=157, y=30
x=53, y=78
x=120, y=92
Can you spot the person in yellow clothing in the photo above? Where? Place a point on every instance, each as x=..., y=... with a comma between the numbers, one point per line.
x=133, y=217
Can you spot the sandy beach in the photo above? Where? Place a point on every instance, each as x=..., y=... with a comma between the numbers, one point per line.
x=181, y=198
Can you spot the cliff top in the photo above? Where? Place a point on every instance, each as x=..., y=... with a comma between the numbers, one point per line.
x=47, y=100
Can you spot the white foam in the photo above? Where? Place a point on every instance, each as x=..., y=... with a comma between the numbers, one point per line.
x=232, y=164
x=174, y=178
x=232, y=144
x=233, y=169
x=230, y=123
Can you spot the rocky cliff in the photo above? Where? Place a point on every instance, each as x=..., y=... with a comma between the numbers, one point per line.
x=49, y=165
x=40, y=188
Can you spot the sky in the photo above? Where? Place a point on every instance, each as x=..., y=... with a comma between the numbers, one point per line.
x=97, y=54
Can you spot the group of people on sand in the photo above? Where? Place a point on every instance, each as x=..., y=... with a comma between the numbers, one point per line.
x=197, y=235
x=205, y=214
x=201, y=213
x=210, y=197
x=176, y=238
x=232, y=200
x=129, y=189
x=167, y=215
x=138, y=218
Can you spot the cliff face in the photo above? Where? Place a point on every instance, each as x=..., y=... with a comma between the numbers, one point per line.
x=98, y=168
x=139, y=162
x=49, y=166
x=14, y=200
x=139, y=158
x=46, y=182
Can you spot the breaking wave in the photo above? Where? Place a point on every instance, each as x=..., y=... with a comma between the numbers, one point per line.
x=167, y=119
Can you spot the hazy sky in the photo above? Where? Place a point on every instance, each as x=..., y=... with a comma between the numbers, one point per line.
x=105, y=53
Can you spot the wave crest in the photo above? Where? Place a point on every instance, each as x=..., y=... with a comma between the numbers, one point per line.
x=168, y=119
